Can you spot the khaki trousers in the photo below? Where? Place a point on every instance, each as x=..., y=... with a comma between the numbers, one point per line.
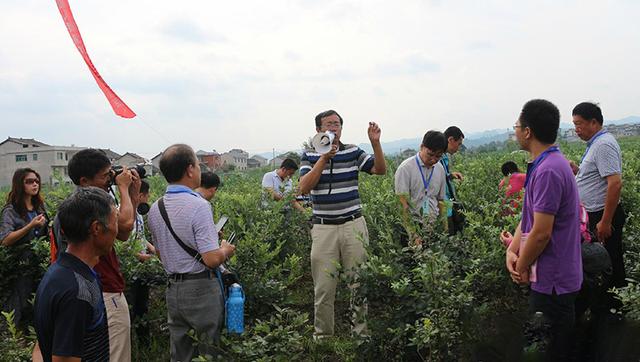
x=334, y=245
x=119, y=326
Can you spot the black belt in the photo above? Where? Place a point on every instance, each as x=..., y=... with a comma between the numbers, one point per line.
x=177, y=277
x=338, y=221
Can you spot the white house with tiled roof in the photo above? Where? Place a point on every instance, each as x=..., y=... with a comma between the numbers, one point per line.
x=47, y=160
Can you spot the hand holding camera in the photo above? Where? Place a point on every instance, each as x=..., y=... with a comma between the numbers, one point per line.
x=124, y=178
x=118, y=170
x=134, y=188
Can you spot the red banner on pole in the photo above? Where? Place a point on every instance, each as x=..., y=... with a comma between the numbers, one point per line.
x=117, y=104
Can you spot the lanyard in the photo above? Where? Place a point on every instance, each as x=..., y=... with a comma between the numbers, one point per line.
x=593, y=139
x=424, y=180
x=532, y=166
x=179, y=189
x=445, y=163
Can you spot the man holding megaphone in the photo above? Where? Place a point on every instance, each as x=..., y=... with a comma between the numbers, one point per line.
x=329, y=172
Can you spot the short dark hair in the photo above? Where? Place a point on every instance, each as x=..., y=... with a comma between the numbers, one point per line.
x=588, y=111
x=543, y=118
x=454, y=132
x=80, y=209
x=435, y=141
x=87, y=163
x=289, y=164
x=209, y=179
x=509, y=167
x=175, y=160
x=324, y=114
x=144, y=186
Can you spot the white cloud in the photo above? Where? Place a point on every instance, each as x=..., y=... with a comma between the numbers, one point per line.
x=254, y=74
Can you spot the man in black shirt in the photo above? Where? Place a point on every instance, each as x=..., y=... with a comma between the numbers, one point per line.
x=70, y=316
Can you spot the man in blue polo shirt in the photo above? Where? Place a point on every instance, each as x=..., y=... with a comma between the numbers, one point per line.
x=339, y=229
x=70, y=315
x=545, y=251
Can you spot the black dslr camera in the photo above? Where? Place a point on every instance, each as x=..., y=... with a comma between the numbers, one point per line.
x=117, y=169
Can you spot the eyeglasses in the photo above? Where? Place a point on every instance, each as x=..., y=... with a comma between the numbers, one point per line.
x=333, y=124
x=31, y=181
x=432, y=154
x=518, y=126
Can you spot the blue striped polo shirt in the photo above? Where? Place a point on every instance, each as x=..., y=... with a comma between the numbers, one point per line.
x=336, y=194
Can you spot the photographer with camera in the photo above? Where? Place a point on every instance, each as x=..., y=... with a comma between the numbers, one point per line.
x=91, y=167
x=186, y=239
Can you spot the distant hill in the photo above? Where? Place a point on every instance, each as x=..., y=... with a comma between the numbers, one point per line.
x=471, y=140
x=477, y=139
x=626, y=120
x=474, y=139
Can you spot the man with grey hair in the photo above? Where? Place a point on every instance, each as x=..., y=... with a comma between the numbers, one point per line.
x=70, y=314
x=182, y=228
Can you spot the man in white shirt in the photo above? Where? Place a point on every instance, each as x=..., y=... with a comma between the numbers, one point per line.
x=420, y=183
x=277, y=183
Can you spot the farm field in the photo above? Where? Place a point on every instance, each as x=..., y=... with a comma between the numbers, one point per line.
x=450, y=300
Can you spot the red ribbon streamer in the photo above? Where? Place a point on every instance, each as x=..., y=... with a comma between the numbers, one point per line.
x=119, y=107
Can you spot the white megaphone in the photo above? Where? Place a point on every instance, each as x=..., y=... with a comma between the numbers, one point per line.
x=322, y=141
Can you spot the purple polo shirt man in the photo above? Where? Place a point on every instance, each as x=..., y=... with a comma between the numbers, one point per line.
x=552, y=190
x=546, y=249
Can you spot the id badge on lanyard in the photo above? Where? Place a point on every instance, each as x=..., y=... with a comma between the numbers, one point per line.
x=425, y=182
x=425, y=204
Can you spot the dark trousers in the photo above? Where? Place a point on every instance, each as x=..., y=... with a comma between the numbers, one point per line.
x=613, y=246
x=194, y=305
x=558, y=312
x=18, y=301
x=139, y=299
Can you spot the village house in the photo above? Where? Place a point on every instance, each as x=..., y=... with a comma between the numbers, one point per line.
x=212, y=160
x=49, y=161
x=236, y=158
x=257, y=161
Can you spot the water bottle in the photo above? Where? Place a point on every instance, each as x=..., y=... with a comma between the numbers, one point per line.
x=235, y=309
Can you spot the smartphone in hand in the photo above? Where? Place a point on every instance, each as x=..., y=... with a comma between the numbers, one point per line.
x=220, y=224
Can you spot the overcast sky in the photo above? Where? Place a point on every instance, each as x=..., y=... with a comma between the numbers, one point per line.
x=253, y=74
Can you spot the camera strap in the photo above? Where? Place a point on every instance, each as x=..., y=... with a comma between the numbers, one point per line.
x=113, y=195
x=187, y=249
x=452, y=191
